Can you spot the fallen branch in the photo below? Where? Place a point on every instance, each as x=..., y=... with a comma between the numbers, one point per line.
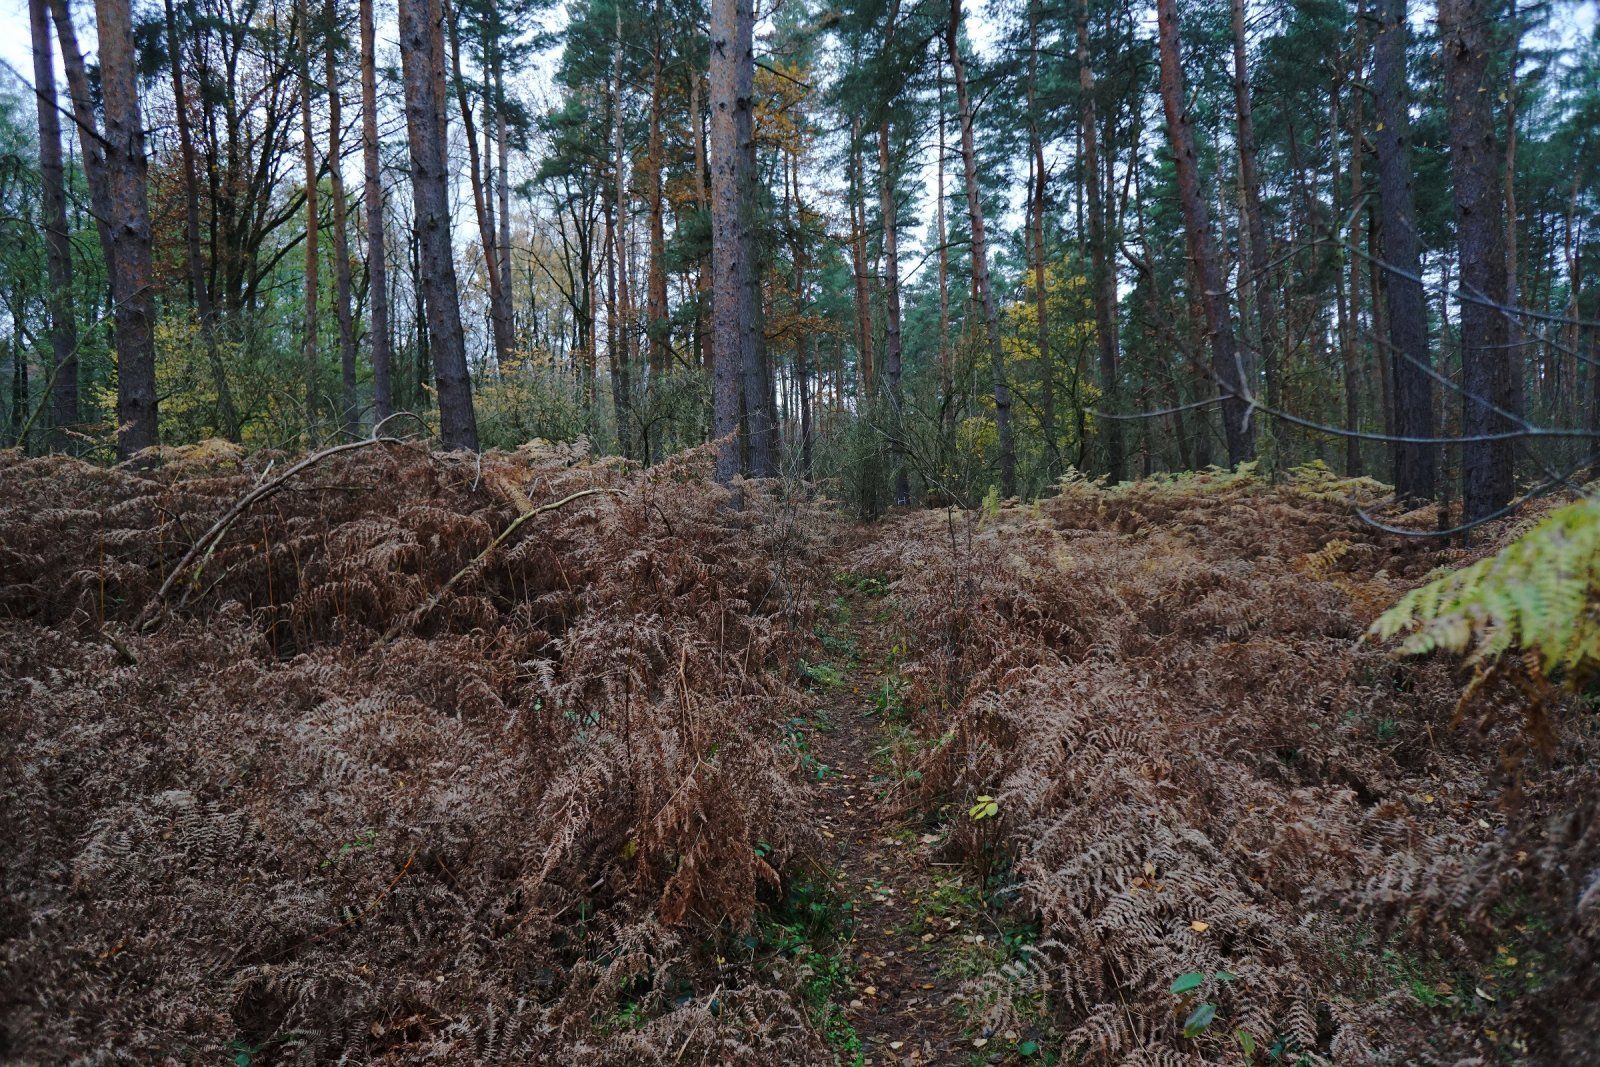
x=510, y=529
x=209, y=540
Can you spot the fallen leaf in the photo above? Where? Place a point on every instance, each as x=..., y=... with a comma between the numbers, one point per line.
x=1199, y=927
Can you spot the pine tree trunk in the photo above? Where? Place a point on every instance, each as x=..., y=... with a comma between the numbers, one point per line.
x=656, y=311
x=1104, y=280
x=503, y=180
x=624, y=305
x=131, y=278
x=1344, y=302
x=350, y=414
x=1041, y=288
x=1262, y=286
x=1486, y=465
x=857, y=194
x=308, y=147
x=377, y=269
x=57, y=240
x=760, y=397
x=702, y=195
x=1407, y=313
x=732, y=77
x=947, y=407
x=980, y=258
x=891, y=311
x=802, y=341
x=1226, y=367
x=422, y=62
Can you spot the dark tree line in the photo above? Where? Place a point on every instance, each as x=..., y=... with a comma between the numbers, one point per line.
x=848, y=242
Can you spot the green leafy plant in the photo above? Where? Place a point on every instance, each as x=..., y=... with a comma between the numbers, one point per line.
x=986, y=808
x=1203, y=1014
x=822, y=675
x=1537, y=594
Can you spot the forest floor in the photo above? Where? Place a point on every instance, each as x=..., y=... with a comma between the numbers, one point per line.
x=913, y=919
x=540, y=759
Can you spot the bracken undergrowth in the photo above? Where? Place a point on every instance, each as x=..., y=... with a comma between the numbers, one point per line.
x=434, y=758
x=526, y=827
x=1245, y=834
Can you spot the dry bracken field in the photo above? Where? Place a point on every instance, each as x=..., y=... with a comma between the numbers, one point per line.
x=425, y=758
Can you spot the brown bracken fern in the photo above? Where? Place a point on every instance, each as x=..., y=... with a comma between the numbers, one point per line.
x=526, y=829
x=1245, y=836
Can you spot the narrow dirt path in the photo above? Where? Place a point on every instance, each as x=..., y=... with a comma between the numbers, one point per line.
x=902, y=999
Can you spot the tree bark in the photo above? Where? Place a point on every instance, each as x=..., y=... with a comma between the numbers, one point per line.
x=129, y=223
x=865, y=368
x=503, y=182
x=1414, y=464
x=624, y=304
x=760, y=396
x=702, y=193
x=734, y=328
x=351, y=412
x=1226, y=366
x=1486, y=465
x=658, y=326
x=1344, y=300
x=1104, y=280
x=980, y=257
x=377, y=269
x=892, y=352
x=57, y=240
x=1041, y=288
x=1262, y=291
x=802, y=341
x=947, y=407
x=309, y=320
x=114, y=167
x=422, y=65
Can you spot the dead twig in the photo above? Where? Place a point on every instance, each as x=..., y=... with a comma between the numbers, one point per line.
x=510, y=529
x=207, y=544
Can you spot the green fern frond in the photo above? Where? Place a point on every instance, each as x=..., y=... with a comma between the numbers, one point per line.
x=1540, y=593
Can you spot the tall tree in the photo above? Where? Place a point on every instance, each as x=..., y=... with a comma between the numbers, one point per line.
x=733, y=327
x=1264, y=297
x=313, y=258
x=422, y=66
x=1037, y=202
x=1226, y=367
x=1104, y=280
x=1414, y=462
x=377, y=268
x=138, y=421
x=980, y=256
x=500, y=316
x=350, y=411
x=57, y=240
x=893, y=351
x=1486, y=455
